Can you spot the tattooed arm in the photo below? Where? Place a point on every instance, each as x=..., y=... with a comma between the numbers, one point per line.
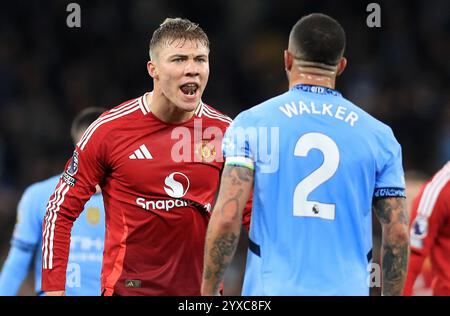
x=224, y=227
x=391, y=213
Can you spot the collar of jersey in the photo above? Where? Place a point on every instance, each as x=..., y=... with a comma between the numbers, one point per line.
x=316, y=89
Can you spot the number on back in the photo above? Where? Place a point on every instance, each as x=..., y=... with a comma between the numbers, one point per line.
x=303, y=206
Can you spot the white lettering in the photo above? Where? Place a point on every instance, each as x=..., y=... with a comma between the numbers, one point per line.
x=352, y=117
x=339, y=112
x=141, y=202
x=303, y=107
x=165, y=205
x=313, y=109
x=160, y=205
x=169, y=204
x=288, y=109
x=327, y=109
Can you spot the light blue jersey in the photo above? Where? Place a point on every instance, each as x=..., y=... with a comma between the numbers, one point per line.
x=319, y=160
x=86, y=249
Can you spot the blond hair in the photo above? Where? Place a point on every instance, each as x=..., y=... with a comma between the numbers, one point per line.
x=173, y=29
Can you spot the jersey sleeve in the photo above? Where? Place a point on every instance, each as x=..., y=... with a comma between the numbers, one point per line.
x=390, y=180
x=26, y=236
x=428, y=215
x=77, y=184
x=238, y=143
x=28, y=229
x=14, y=270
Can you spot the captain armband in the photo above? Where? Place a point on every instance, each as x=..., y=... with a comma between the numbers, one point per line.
x=240, y=162
x=389, y=192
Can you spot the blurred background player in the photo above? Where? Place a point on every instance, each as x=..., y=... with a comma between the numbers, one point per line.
x=157, y=159
x=86, y=248
x=311, y=230
x=430, y=233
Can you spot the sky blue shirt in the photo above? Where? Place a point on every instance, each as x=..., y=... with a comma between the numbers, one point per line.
x=319, y=160
x=86, y=249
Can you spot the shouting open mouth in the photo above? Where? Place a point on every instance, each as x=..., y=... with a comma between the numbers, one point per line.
x=189, y=89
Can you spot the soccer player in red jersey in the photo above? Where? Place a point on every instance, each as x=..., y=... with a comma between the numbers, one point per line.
x=158, y=161
x=430, y=233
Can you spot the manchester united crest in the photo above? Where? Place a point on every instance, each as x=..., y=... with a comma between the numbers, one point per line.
x=205, y=151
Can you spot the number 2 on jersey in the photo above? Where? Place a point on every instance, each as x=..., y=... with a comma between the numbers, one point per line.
x=330, y=151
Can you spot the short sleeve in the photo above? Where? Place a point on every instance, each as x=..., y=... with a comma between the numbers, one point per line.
x=390, y=180
x=238, y=145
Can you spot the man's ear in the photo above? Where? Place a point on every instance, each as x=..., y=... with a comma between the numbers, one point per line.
x=288, y=61
x=341, y=66
x=151, y=68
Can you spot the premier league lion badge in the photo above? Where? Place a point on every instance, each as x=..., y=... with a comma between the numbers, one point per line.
x=419, y=228
x=73, y=165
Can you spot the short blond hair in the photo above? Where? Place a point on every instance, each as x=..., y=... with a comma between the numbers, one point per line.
x=177, y=29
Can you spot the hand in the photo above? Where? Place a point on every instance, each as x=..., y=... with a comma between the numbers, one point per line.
x=55, y=293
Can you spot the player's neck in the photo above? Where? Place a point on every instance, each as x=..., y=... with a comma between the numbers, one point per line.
x=312, y=76
x=165, y=110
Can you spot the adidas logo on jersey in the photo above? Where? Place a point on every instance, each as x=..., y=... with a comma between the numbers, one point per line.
x=141, y=153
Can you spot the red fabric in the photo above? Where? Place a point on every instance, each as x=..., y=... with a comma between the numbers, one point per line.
x=155, y=251
x=434, y=241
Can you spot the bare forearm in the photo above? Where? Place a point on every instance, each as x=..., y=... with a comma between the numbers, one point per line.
x=395, y=244
x=221, y=244
x=394, y=267
x=224, y=227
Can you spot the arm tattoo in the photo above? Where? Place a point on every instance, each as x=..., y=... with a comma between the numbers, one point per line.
x=395, y=246
x=221, y=245
x=242, y=173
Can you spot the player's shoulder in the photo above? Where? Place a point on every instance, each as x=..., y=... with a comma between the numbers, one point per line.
x=370, y=124
x=442, y=179
x=125, y=111
x=120, y=115
x=263, y=110
x=211, y=116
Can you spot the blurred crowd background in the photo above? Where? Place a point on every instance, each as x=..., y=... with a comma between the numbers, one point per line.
x=399, y=73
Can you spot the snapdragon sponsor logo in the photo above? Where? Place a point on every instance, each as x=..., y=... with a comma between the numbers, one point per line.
x=162, y=205
x=176, y=185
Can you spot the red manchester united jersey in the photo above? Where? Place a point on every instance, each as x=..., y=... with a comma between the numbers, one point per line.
x=159, y=182
x=430, y=233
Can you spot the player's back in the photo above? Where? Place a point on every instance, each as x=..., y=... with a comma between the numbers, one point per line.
x=311, y=222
